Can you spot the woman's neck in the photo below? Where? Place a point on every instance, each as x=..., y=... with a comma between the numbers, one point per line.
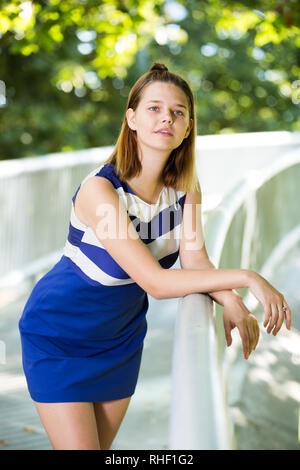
x=148, y=184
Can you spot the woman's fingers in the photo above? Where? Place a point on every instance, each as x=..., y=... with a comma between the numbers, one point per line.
x=249, y=333
x=228, y=328
x=257, y=334
x=275, y=315
x=279, y=321
x=254, y=333
x=273, y=319
x=288, y=316
x=268, y=315
x=269, y=297
x=245, y=338
x=248, y=341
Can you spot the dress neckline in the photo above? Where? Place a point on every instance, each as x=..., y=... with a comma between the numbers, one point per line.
x=131, y=191
x=142, y=200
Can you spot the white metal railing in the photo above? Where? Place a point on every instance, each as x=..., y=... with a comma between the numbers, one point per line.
x=199, y=415
x=263, y=207
x=35, y=205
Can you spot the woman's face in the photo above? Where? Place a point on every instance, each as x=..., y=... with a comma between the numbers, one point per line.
x=162, y=105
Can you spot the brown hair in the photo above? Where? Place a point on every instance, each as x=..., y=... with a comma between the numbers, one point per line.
x=180, y=169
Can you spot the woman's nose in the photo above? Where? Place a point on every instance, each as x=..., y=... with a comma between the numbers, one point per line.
x=167, y=117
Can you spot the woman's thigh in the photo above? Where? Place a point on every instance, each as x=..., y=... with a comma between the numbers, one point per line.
x=70, y=426
x=109, y=416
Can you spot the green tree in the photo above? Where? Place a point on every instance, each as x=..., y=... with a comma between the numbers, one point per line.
x=66, y=67
x=60, y=63
x=239, y=86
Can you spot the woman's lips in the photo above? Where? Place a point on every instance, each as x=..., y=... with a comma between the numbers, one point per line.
x=164, y=133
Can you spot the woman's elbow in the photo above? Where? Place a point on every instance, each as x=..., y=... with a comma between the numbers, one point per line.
x=155, y=292
x=154, y=287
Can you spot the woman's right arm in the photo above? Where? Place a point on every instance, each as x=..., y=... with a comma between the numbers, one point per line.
x=98, y=205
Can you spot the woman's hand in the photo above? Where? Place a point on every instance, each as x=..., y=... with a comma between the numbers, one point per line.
x=236, y=314
x=273, y=302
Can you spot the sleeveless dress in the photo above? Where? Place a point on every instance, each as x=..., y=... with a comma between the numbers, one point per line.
x=84, y=323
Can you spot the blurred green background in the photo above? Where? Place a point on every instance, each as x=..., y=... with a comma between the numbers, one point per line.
x=66, y=67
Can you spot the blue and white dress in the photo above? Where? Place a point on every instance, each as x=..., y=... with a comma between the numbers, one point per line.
x=83, y=326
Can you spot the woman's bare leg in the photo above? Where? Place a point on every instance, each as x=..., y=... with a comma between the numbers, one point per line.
x=109, y=416
x=70, y=426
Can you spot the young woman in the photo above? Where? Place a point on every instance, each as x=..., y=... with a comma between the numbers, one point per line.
x=83, y=326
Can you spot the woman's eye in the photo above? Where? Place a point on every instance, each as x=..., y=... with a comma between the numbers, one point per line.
x=177, y=111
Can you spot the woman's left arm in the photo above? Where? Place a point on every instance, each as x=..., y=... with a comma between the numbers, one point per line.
x=222, y=297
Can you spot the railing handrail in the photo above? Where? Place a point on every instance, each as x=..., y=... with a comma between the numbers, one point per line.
x=17, y=166
x=219, y=221
x=248, y=140
x=197, y=381
x=14, y=167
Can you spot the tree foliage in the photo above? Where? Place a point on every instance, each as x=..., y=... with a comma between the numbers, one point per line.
x=273, y=20
x=66, y=68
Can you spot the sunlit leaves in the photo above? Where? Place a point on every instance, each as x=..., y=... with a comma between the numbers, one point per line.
x=29, y=49
x=5, y=23
x=232, y=21
x=17, y=17
x=51, y=25
x=272, y=21
x=55, y=33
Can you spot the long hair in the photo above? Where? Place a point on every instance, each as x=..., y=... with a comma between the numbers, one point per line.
x=180, y=169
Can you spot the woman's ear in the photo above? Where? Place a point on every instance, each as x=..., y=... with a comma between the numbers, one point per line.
x=130, y=116
x=189, y=128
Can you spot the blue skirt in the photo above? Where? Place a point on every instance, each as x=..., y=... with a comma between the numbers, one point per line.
x=82, y=342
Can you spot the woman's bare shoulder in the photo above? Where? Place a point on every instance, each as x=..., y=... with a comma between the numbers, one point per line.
x=88, y=194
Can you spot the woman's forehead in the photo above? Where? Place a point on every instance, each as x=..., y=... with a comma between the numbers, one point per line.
x=162, y=91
